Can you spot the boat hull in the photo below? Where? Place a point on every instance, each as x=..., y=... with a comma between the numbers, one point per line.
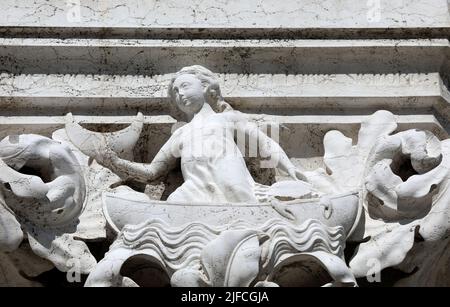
x=338, y=210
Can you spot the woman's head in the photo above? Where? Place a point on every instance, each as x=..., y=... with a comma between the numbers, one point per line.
x=194, y=85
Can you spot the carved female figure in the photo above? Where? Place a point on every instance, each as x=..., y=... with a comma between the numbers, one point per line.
x=213, y=168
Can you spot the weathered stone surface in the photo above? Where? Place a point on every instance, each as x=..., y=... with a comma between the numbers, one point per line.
x=339, y=113
x=227, y=14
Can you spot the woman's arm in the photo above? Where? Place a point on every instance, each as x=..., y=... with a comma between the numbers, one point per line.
x=268, y=148
x=164, y=161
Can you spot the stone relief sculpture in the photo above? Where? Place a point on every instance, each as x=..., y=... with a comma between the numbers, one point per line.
x=43, y=194
x=404, y=181
x=216, y=178
x=388, y=196
x=51, y=199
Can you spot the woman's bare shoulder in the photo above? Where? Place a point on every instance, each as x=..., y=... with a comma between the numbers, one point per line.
x=235, y=116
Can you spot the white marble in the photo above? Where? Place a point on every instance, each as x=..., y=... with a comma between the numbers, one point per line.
x=339, y=202
x=349, y=168
x=226, y=14
x=306, y=128
x=43, y=194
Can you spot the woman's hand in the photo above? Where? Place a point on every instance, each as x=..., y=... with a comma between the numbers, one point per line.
x=296, y=174
x=105, y=156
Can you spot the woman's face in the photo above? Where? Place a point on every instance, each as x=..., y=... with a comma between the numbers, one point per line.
x=188, y=91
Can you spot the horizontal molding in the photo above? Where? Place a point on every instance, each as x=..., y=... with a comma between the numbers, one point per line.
x=111, y=121
x=84, y=119
x=167, y=119
x=54, y=106
x=153, y=57
x=339, y=94
x=224, y=33
x=225, y=14
x=216, y=43
x=232, y=85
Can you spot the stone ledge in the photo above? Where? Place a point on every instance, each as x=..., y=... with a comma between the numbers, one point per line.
x=168, y=120
x=233, y=85
x=273, y=94
x=225, y=33
x=153, y=57
x=225, y=14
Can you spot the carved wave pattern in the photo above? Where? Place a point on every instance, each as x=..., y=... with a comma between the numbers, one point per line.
x=311, y=236
x=181, y=247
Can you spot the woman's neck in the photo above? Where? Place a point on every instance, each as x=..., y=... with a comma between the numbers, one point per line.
x=205, y=111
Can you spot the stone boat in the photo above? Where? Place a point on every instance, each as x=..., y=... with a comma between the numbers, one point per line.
x=336, y=210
